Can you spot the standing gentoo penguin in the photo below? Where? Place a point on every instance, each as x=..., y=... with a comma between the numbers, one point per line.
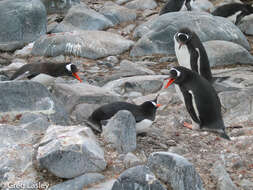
x=52, y=69
x=144, y=114
x=201, y=100
x=191, y=53
x=175, y=5
x=238, y=9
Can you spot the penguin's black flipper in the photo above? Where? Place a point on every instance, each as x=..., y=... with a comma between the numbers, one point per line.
x=189, y=106
x=194, y=60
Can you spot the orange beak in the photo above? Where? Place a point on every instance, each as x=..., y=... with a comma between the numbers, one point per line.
x=180, y=45
x=76, y=76
x=169, y=83
x=158, y=105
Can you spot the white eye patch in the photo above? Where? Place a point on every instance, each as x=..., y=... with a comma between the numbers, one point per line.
x=178, y=72
x=182, y=34
x=154, y=103
x=68, y=67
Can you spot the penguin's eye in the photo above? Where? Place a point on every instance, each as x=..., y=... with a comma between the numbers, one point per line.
x=183, y=37
x=68, y=67
x=175, y=73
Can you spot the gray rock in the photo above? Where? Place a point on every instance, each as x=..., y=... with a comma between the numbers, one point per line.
x=157, y=34
x=120, y=2
x=81, y=17
x=237, y=105
x=70, y=151
x=120, y=131
x=25, y=51
x=79, y=182
x=175, y=170
x=117, y=14
x=21, y=97
x=107, y=185
x=16, y=64
x=202, y=5
x=89, y=44
x=82, y=112
x=59, y=6
x=44, y=79
x=141, y=4
x=246, y=25
x=142, y=84
x=139, y=177
x=16, y=152
x=134, y=68
x=220, y=174
x=22, y=21
x=246, y=184
x=74, y=94
x=131, y=160
x=221, y=53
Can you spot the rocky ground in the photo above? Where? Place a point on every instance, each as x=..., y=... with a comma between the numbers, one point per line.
x=126, y=56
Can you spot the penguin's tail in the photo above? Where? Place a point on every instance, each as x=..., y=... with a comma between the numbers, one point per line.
x=225, y=136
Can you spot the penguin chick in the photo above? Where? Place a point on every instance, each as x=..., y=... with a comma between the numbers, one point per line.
x=201, y=100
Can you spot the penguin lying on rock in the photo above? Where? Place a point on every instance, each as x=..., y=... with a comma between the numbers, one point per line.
x=53, y=69
x=201, y=100
x=227, y=10
x=144, y=114
x=175, y=5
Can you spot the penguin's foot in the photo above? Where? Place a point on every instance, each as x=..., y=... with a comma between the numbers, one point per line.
x=188, y=125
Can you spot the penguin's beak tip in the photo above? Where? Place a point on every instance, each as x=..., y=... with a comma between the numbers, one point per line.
x=76, y=76
x=158, y=105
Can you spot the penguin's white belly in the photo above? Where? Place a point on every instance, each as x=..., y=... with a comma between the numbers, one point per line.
x=183, y=55
x=143, y=126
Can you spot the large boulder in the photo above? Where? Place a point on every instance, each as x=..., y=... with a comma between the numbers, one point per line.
x=117, y=14
x=141, y=4
x=16, y=153
x=59, y=6
x=81, y=17
x=157, y=35
x=89, y=44
x=22, y=97
x=140, y=85
x=139, y=177
x=221, y=53
x=175, y=170
x=21, y=22
x=79, y=93
x=246, y=25
x=120, y=131
x=70, y=151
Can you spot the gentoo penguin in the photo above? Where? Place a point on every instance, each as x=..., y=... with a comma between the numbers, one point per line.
x=238, y=9
x=201, y=100
x=175, y=5
x=191, y=53
x=31, y=70
x=144, y=114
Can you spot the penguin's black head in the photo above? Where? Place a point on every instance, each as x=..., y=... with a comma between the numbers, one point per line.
x=72, y=70
x=183, y=36
x=150, y=105
x=178, y=75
